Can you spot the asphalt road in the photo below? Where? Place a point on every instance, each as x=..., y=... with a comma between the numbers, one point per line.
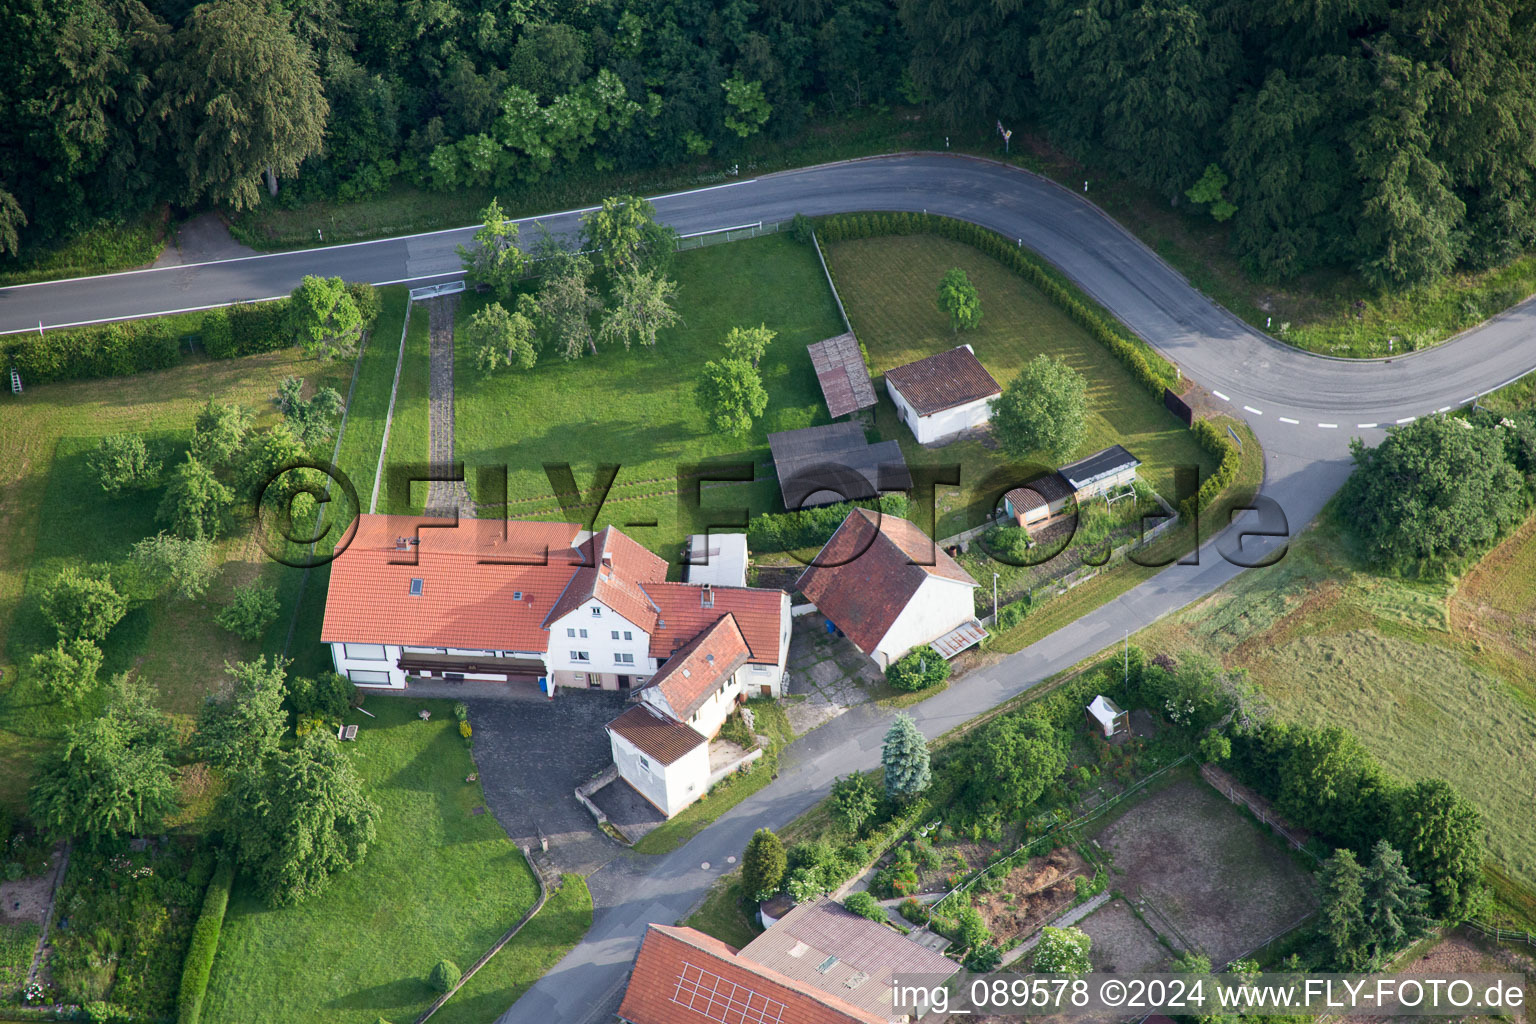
x=1304, y=409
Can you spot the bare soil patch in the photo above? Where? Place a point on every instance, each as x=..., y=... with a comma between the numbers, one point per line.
x=26, y=899
x=1461, y=954
x=1122, y=944
x=1034, y=892
x=1207, y=875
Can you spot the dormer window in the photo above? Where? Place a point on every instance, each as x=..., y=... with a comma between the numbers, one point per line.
x=517, y=595
x=596, y=612
x=416, y=585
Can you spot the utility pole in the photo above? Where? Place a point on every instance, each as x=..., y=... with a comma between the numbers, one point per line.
x=1127, y=676
x=994, y=598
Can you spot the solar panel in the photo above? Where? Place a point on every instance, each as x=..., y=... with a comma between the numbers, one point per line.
x=712, y=996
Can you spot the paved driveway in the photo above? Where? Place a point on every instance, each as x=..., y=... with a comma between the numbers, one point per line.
x=532, y=753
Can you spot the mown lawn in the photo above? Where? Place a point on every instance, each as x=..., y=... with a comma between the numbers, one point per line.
x=726, y=913
x=637, y=408
x=440, y=881
x=889, y=287
x=409, y=431
x=1435, y=678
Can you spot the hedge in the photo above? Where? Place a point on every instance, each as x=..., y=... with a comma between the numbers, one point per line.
x=1214, y=441
x=205, y=944
x=1152, y=373
x=108, y=350
x=813, y=527
x=245, y=329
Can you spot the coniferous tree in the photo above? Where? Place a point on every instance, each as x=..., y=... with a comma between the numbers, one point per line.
x=905, y=758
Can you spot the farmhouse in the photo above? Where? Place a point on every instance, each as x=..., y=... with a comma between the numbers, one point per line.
x=820, y=964
x=889, y=588
x=1100, y=472
x=831, y=463
x=943, y=396
x=526, y=602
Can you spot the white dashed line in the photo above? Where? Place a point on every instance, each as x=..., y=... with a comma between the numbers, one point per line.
x=1364, y=426
x=1287, y=419
x=1407, y=419
x=1329, y=426
x=1221, y=396
x=1256, y=412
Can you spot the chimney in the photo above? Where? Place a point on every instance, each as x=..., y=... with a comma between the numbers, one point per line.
x=706, y=596
x=402, y=543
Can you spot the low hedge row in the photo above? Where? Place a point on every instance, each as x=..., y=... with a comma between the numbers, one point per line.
x=1152, y=373
x=1214, y=441
x=205, y=944
x=812, y=527
x=244, y=330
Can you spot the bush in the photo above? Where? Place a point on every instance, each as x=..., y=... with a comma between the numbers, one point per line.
x=971, y=929
x=865, y=905
x=813, y=527
x=763, y=865
x=256, y=327
x=461, y=711
x=108, y=350
x=986, y=957
x=914, y=911
x=198, y=964
x=445, y=974
x=326, y=696
x=465, y=730
x=803, y=228
x=253, y=608
x=124, y=460
x=82, y=603
x=917, y=670
x=366, y=297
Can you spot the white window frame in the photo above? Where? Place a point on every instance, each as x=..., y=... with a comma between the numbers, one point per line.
x=623, y=659
x=614, y=633
x=383, y=655
x=628, y=635
x=569, y=631
x=581, y=657
x=597, y=611
x=381, y=678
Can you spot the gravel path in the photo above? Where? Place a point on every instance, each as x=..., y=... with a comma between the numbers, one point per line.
x=443, y=498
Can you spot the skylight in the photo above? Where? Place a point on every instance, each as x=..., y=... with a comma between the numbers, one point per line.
x=416, y=585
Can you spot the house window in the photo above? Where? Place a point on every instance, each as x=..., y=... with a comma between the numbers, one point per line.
x=628, y=635
x=368, y=678
x=615, y=634
x=517, y=595
x=570, y=632
x=624, y=659
x=583, y=633
x=597, y=612
x=581, y=656
x=364, y=652
x=759, y=668
x=645, y=765
x=416, y=585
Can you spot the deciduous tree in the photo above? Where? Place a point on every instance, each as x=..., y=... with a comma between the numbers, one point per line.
x=250, y=611
x=732, y=396
x=564, y=306
x=498, y=338
x=236, y=731
x=748, y=343
x=313, y=419
x=854, y=800
x=122, y=461
x=1043, y=409
x=67, y=671
x=642, y=306
x=1441, y=836
x=959, y=300
x=494, y=258
x=1019, y=756
x=624, y=233
x=195, y=503
x=323, y=318
x=182, y=566
x=82, y=603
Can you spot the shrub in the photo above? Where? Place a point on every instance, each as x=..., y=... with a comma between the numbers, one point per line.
x=108, y=350
x=763, y=865
x=461, y=711
x=465, y=730
x=986, y=957
x=67, y=672
x=803, y=229
x=326, y=696
x=82, y=603
x=253, y=608
x=914, y=911
x=1063, y=951
x=865, y=905
x=445, y=974
x=813, y=527
x=124, y=460
x=198, y=964
x=918, y=670
x=971, y=929
x=216, y=334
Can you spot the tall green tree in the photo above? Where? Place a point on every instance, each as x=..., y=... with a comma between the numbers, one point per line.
x=748, y=343
x=241, y=98
x=959, y=300
x=238, y=730
x=731, y=394
x=1395, y=905
x=124, y=460
x=966, y=56
x=12, y=220
x=564, y=306
x=1432, y=490
x=498, y=338
x=1019, y=756
x=108, y=779
x=82, y=603
x=763, y=864
x=904, y=756
x=300, y=818
x=627, y=238
x=312, y=419
x=175, y=564
x=196, y=503
x=642, y=305
x=494, y=258
x=323, y=318
x=1342, y=915
x=1043, y=409
x=219, y=433
x=854, y=800
x=1441, y=836
x=67, y=671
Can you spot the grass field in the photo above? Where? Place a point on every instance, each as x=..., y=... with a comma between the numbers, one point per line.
x=726, y=913
x=440, y=881
x=409, y=433
x=1435, y=678
x=637, y=408
x=889, y=285
x=102, y=248
x=1223, y=882
x=51, y=513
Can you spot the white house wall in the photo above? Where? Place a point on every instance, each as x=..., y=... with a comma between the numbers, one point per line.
x=938, y=607
x=670, y=787
x=944, y=423
x=369, y=664
x=599, y=646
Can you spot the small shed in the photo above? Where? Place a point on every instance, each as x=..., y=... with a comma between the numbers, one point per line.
x=835, y=462
x=843, y=377
x=1107, y=715
x=943, y=396
x=1100, y=472
x=1038, y=500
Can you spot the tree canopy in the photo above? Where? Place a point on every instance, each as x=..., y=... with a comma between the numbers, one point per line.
x=732, y=395
x=905, y=759
x=237, y=731
x=959, y=300
x=1043, y=409
x=763, y=865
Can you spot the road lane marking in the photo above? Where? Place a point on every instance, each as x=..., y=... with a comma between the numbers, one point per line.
x=1256, y=412
x=1364, y=426
x=1221, y=396
x=1407, y=419
x=1287, y=419
x=1329, y=426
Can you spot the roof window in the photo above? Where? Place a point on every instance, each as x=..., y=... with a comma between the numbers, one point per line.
x=416, y=584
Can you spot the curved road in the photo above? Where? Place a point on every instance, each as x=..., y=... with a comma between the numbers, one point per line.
x=1304, y=409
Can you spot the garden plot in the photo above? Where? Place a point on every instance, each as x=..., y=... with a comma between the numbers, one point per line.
x=1210, y=877
x=1032, y=894
x=1122, y=943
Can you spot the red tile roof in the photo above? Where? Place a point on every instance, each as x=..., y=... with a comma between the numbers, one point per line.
x=843, y=377
x=943, y=381
x=865, y=575
x=655, y=735
x=463, y=603
x=683, y=615
x=695, y=671
x=683, y=976
x=619, y=565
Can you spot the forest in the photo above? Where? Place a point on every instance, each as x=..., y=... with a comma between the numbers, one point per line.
x=1389, y=137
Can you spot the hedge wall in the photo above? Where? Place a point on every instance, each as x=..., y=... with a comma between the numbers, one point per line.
x=812, y=527
x=205, y=944
x=1153, y=372
x=110, y=350
x=1214, y=440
